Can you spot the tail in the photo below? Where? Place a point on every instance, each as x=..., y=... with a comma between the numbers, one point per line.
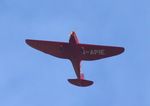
x=80, y=82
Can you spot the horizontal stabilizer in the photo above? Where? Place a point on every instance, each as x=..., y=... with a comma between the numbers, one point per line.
x=80, y=82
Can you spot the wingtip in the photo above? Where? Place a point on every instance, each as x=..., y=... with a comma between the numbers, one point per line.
x=122, y=49
x=27, y=41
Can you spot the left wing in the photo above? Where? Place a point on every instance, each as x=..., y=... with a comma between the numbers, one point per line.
x=94, y=52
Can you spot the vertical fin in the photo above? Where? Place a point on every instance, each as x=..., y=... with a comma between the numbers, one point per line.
x=82, y=76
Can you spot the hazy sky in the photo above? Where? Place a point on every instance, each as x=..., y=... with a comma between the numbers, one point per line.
x=31, y=78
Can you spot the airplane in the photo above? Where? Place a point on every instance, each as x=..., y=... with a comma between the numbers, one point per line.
x=75, y=52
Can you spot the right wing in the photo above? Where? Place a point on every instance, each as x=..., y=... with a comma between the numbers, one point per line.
x=49, y=47
x=94, y=52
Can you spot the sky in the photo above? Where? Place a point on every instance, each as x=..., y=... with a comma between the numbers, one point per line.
x=31, y=78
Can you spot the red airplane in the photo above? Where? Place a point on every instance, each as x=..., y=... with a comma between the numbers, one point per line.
x=75, y=52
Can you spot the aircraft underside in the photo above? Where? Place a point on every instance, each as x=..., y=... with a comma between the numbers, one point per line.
x=75, y=52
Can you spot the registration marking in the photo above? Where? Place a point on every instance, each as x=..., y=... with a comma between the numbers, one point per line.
x=94, y=52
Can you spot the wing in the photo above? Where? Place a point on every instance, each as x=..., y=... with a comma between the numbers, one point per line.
x=94, y=52
x=49, y=47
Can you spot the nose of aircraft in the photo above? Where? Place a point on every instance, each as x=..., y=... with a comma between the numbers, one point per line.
x=73, y=33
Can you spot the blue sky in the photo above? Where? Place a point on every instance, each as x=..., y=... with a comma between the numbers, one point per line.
x=31, y=78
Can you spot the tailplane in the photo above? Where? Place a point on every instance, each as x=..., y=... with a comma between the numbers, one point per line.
x=80, y=82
